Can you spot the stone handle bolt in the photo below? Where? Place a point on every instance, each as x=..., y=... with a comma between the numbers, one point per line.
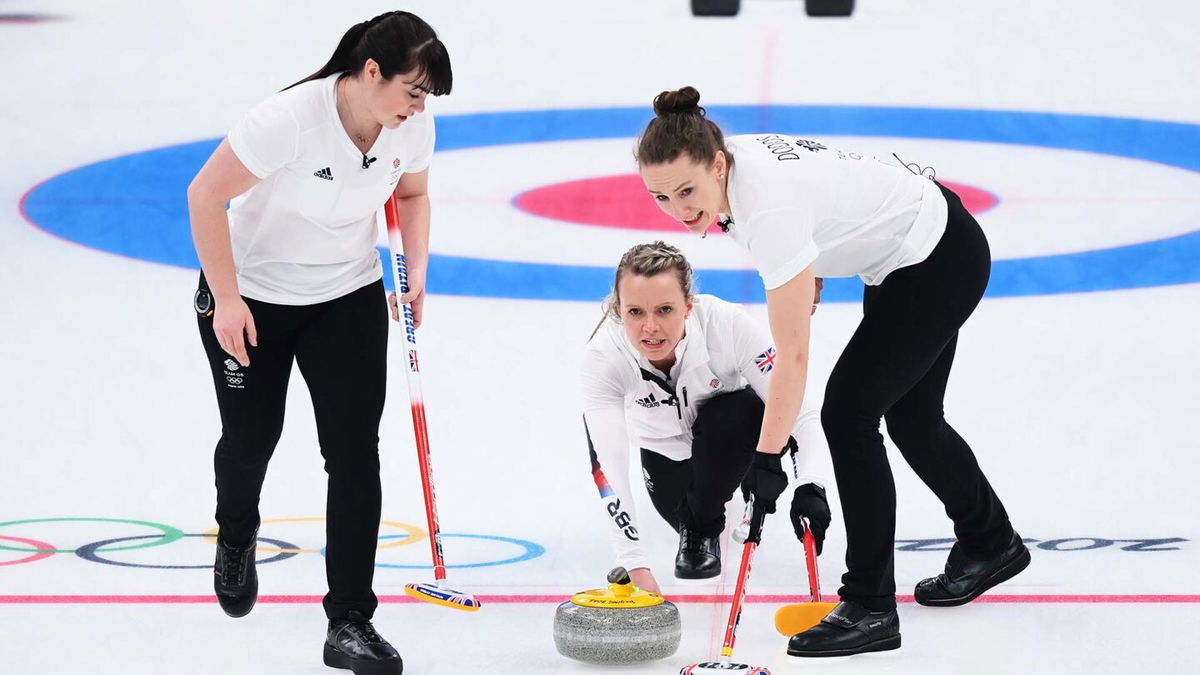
x=619, y=575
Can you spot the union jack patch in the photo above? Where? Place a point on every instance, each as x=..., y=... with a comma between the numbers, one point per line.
x=412, y=362
x=766, y=360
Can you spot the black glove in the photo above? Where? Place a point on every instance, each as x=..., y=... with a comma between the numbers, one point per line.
x=809, y=502
x=765, y=480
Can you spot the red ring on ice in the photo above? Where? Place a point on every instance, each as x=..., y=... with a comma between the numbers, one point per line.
x=44, y=550
x=621, y=201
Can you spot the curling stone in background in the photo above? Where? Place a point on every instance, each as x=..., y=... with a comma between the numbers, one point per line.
x=716, y=7
x=829, y=7
x=618, y=624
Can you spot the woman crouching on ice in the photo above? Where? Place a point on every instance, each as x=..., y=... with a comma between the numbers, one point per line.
x=682, y=377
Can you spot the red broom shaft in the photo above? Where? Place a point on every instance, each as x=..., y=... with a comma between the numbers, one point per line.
x=431, y=518
x=810, y=558
x=739, y=598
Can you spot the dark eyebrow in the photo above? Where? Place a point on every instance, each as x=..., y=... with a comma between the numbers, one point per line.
x=681, y=186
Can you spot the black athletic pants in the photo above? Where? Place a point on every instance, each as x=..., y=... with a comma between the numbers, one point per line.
x=895, y=367
x=694, y=491
x=341, y=348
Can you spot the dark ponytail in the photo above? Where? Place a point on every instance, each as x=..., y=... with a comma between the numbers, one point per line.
x=680, y=126
x=399, y=42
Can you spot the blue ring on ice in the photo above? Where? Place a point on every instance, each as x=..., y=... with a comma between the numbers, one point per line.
x=530, y=550
x=135, y=205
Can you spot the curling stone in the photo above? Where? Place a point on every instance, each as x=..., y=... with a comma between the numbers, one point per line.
x=716, y=7
x=618, y=624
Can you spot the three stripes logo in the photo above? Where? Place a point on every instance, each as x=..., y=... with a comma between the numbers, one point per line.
x=324, y=173
x=648, y=402
x=652, y=402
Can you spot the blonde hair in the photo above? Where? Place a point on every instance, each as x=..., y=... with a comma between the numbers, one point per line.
x=647, y=260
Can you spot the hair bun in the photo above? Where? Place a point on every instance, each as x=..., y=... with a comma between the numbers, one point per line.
x=685, y=101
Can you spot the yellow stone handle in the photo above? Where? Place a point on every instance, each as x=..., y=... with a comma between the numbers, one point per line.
x=620, y=584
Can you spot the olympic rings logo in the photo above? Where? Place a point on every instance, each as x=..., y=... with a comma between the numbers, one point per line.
x=100, y=551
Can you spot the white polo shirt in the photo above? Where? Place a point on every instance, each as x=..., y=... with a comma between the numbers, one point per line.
x=798, y=202
x=307, y=232
x=627, y=402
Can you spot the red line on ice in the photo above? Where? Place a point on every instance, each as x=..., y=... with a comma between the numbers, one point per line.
x=1058, y=599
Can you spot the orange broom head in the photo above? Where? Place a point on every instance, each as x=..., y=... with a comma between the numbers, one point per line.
x=793, y=619
x=446, y=597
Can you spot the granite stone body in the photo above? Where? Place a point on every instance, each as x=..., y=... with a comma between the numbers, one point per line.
x=607, y=635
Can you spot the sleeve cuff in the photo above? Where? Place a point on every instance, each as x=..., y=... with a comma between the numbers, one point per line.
x=791, y=269
x=246, y=157
x=806, y=478
x=633, y=560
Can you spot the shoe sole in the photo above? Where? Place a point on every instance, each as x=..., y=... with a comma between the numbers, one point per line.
x=335, y=659
x=884, y=645
x=716, y=573
x=1012, y=569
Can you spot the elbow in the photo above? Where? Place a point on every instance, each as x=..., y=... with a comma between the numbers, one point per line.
x=195, y=193
x=413, y=198
x=202, y=198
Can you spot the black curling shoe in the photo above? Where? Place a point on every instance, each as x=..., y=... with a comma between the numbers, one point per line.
x=964, y=580
x=849, y=629
x=235, y=579
x=353, y=644
x=699, y=557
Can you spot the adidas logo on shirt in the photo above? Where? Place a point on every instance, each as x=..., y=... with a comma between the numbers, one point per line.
x=648, y=402
x=651, y=402
x=324, y=173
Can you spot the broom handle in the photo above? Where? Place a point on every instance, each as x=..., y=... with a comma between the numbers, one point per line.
x=391, y=212
x=739, y=592
x=810, y=558
x=739, y=598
